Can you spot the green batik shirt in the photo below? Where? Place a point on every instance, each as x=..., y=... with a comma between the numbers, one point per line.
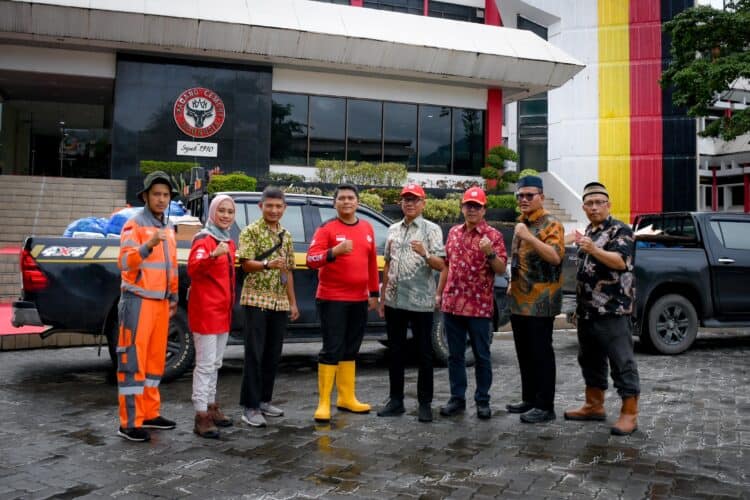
x=265, y=289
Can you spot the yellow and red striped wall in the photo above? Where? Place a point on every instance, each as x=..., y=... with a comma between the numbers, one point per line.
x=646, y=147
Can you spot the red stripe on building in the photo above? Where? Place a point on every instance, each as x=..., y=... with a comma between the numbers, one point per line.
x=645, y=108
x=494, y=117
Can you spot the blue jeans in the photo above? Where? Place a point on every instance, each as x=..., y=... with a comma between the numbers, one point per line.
x=479, y=331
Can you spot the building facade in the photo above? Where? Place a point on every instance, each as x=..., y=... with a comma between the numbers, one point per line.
x=92, y=88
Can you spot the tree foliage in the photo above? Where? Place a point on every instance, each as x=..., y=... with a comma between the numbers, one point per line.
x=710, y=50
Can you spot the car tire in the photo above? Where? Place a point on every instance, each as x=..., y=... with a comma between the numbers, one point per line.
x=180, y=348
x=440, y=342
x=672, y=325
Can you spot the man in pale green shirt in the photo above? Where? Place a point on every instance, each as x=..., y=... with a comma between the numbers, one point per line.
x=413, y=251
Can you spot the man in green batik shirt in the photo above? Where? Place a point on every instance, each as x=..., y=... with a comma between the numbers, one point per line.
x=266, y=254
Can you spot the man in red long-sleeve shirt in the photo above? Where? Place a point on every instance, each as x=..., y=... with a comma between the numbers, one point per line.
x=343, y=250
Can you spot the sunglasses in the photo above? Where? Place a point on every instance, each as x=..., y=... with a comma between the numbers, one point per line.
x=526, y=196
x=411, y=199
x=473, y=206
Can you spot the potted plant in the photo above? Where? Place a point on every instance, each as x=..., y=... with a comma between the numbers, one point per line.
x=496, y=158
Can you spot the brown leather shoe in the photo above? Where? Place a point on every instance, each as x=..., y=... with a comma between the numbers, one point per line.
x=628, y=421
x=593, y=408
x=217, y=416
x=204, y=427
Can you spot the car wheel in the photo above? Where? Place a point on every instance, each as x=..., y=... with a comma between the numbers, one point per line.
x=672, y=324
x=440, y=342
x=180, y=347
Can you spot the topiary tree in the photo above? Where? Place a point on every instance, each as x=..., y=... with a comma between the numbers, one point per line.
x=495, y=164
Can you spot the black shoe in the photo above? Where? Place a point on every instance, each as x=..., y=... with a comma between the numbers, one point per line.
x=454, y=407
x=393, y=408
x=159, y=423
x=521, y=407
x=484, y=412
x=134, y=434
x=425, y=412
x=537, y=416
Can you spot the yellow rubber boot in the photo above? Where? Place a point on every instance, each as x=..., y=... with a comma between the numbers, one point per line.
x=345, y=382
x=326, y=375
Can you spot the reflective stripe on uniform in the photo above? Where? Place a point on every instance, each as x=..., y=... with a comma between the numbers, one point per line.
x=142, y=292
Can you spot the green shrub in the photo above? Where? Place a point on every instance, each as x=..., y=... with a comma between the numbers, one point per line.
x=446, y=210
x=527, y=171
x=498, y=155
x=303, y=190
x=359, y=173
x=284, y=178
x=231, y=182
x=371, y=200
x=170, y=167
x=510, y=176
x=489, y=173
x=454, y=196
x=390, y=196
x=501, y=201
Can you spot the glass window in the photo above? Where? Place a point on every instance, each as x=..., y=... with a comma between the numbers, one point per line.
x=532, y=153
x=400, y=131
x=289, y=129
x=364, y=130
x=327, y=128
x=456, y=12
x=292, y=220
x=738, y=195
x=408, y=6
x=380, y=229
x=736, y=235
x=434, y=139
x=468, y=141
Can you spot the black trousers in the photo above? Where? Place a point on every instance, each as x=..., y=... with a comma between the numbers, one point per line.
x=396, y=323
x=342, y=325
x=536, y=359
x=603, y=338
x=264, y=338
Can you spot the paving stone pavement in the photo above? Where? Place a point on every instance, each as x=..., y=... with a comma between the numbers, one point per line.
x=57, y=438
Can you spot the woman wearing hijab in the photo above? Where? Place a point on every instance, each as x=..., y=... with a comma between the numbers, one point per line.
x=210, y=302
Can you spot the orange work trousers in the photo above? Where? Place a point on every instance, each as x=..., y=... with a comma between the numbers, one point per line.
x=141, y=354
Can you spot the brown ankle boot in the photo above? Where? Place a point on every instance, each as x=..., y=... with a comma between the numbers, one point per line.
x=204, y=427
x=593, y=409
x=217, y=416
x=628, y=421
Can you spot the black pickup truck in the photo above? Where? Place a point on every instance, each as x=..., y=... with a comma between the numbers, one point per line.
x=692, y=273
x=72, y=284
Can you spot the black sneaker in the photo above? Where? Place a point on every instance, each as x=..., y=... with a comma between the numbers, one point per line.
x=159, y=423
x=454, y=407
x=484, y=412
x=393, y=408
x=134, y=434
x=537, y=416
x=424, y=413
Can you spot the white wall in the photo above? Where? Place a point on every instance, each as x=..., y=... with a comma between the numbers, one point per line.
x=344, y=85
x=57, y=61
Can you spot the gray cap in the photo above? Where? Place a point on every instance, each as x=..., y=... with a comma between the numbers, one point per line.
x=158, y=177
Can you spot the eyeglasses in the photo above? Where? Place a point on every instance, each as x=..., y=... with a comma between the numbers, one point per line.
x=526, y=196
x=595, y=203
x=411, y=199
x=472, y=206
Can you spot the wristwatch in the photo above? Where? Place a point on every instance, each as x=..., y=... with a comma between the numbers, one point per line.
x=265, y=263
x=491, y=256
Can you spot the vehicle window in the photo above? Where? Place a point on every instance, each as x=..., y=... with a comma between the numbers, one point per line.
x=381, y=230
x=681, y=226
x=292, y=220
x=734, y=235
x=240, y=216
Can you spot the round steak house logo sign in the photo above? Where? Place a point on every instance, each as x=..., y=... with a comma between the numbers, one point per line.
x=199, y=112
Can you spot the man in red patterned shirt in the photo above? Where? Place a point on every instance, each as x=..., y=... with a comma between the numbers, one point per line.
x=475, y=252
x=343, y=250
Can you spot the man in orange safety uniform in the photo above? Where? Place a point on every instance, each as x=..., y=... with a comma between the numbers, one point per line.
x=148, y=261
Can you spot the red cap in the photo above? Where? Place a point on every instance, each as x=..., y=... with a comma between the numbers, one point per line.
x=414, y=189
x=475, y=195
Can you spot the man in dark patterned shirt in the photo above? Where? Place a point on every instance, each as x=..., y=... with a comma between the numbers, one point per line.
x=605, y=293
x=535, y=300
